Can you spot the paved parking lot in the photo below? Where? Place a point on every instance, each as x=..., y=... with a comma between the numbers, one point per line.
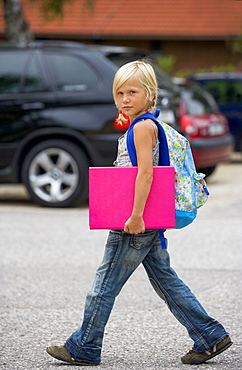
x=48, y=260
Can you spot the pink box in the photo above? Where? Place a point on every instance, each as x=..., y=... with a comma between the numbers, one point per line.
x=111, y=194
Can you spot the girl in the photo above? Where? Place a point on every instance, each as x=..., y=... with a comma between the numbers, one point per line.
x=135, y=93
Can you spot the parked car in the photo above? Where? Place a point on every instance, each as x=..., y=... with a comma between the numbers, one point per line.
x=57, y=116
x=226, y=89
x=205, y=127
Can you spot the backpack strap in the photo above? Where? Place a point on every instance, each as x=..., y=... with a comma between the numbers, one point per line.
x=164, y=159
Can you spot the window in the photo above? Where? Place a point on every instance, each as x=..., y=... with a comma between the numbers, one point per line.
x=71, y=73
x=198, y=102
x=11, y=70
x=33, y=81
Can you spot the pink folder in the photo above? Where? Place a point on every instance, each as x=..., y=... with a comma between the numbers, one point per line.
x=111, y=194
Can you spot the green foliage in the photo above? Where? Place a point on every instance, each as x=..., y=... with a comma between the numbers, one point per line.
x=167, y=63
x=55, y=8
x=190, y=71
x=237, y=45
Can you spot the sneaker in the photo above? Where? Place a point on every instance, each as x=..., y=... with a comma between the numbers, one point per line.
x=61, y=353
x=193, y=357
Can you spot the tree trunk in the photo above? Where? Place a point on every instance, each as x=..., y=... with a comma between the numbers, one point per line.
x=17, y=29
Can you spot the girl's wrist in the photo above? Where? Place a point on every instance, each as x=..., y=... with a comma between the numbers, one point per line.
x=135, y=215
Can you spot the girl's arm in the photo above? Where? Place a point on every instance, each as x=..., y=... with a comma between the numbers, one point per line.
x=144, y=140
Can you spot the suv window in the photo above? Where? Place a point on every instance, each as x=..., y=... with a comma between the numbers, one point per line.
x=33, y=81
x=11, y=71
x=225, y=92
x=198, y=102
x=71, y=73
x=19, y=73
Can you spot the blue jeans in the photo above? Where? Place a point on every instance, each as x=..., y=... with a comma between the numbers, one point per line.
x=123, y=254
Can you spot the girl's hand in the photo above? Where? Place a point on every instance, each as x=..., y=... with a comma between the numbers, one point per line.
x=134, y=225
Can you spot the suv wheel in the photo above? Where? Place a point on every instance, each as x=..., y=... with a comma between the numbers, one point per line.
x=55, y=173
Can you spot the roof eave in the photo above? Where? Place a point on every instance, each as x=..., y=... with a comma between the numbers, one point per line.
x=96, y=36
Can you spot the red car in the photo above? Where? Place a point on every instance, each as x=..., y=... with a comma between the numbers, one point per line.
x=205, y=127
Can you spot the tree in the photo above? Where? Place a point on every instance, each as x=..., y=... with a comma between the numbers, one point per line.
x=17, y=28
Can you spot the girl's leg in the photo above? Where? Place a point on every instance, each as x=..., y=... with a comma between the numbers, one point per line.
x=120, y=260
x=203, y=330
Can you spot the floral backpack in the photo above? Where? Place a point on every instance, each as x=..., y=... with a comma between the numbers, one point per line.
x=174, y=150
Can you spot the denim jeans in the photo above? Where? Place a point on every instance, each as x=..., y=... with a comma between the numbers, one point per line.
x=123, y=254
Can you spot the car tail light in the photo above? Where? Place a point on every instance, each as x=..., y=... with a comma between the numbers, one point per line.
x=188, y=126
x=121, y=121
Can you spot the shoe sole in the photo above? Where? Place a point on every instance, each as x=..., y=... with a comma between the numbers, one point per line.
x=73, y=362
x=226, y=346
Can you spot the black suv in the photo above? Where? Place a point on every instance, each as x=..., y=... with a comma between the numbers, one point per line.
x=57, y=116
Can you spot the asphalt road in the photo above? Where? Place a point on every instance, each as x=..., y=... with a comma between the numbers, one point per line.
x=47, y=264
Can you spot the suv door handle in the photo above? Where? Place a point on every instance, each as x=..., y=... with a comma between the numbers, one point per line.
x=33, y=106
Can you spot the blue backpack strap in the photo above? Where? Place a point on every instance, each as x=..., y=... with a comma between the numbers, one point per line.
x=164, y=159
x=162, y=239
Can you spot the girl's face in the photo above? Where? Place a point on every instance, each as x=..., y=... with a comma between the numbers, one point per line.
x=132, y=99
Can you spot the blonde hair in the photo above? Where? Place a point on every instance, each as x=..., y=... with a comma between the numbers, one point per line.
x=145, y=74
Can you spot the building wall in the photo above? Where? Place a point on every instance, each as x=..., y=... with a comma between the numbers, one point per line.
x=201, y=54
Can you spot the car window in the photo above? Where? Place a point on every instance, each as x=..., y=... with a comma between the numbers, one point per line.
x=12, y=66
x=33, y=79
x=71, y=73
x=198, y=102
x=225, y=91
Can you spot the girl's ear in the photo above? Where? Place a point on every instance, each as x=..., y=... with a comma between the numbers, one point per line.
x=151, y=97
x=151, y=101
